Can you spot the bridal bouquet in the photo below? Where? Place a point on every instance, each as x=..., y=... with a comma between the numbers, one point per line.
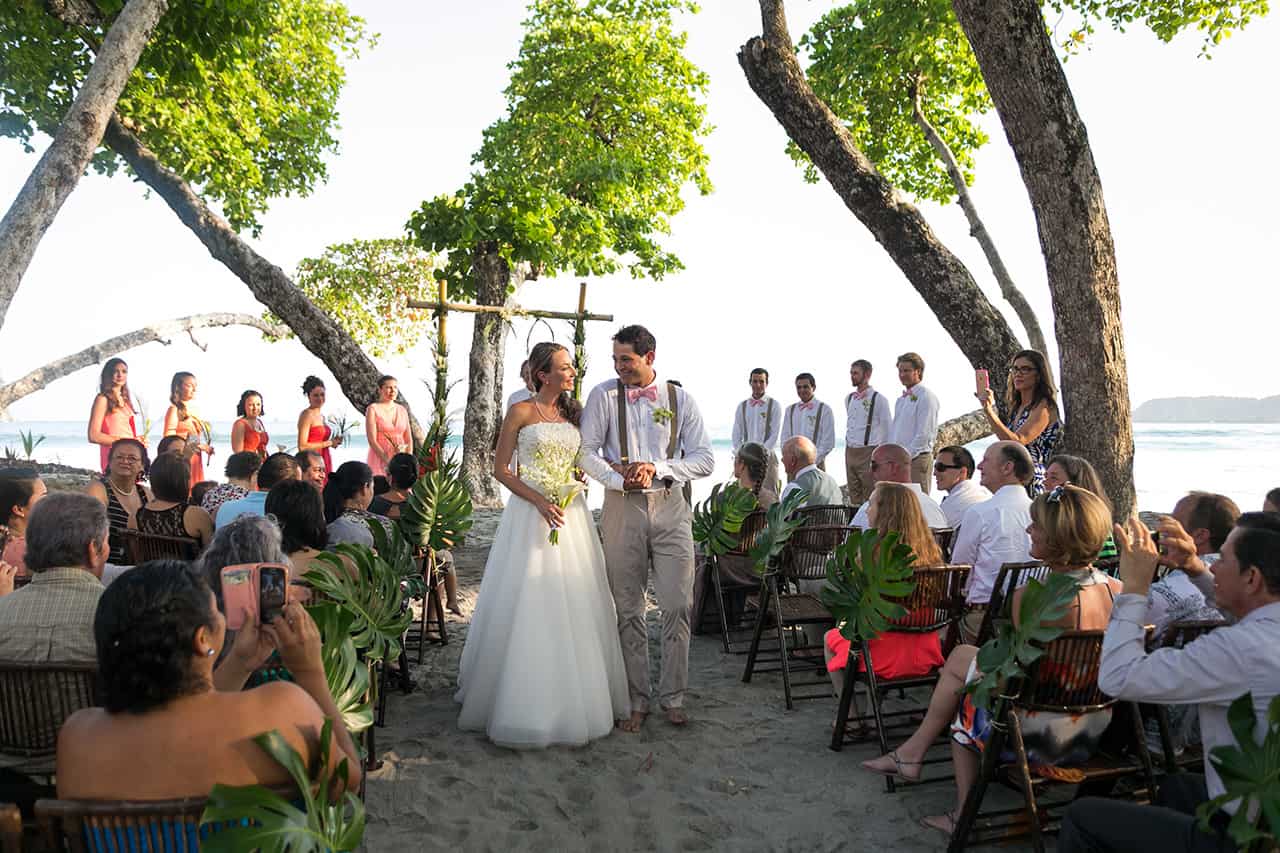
x=552, y=474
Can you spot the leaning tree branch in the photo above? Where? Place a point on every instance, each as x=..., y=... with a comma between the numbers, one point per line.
x=158, y=332
x=961, y=430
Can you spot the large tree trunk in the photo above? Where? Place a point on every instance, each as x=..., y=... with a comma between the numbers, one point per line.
x=938, y=276
x=978, y=228
x=74, y=142
x=493, y=278
x=961, y=430
x=318, y=332
x=1049, y=140
x=162, y=332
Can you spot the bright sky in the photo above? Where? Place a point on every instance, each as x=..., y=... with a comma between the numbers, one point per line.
x=779, y=274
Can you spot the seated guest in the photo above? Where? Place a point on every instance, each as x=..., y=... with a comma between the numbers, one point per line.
x=172, y=444
x=168, y=513
x=1191, y=538
x=381, y=485
x=402, y=473
x=891, y=463
x=164, y=731
x=311, y=468
x=1213, y=671
x=752, y=467
x=346, y=505
x=299, y=511
x=799, y=458
x=277, y=468
x=893, y=508
x=1272, y=501
x=200, y=489
x=20, y=490
x=953, y=473
x=810, y=418
x=121, y=493
x=1066, y=530
x=994, y=532
x=1065, y=469
x=242, y=478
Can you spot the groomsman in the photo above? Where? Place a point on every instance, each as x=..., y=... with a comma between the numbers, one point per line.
x=869, y=422
x=521, y=394
x=759, y=417
x=915, y=419
x=810, y=418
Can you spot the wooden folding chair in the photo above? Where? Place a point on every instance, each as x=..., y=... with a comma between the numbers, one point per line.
x=945, y=537
x=730, y=593
x=35, y=700
x=1064, y=680
x=1009, y=578
x=431, y=601
x=1177, y=636
x=142, y=547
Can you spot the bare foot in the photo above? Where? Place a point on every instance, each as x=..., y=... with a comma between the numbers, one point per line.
x=677, y=717
x=633, y=723
x=454, y=609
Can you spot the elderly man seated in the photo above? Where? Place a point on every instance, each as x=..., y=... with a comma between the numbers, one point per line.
x=800, y=459
x=891, y=463
x=1213, y=671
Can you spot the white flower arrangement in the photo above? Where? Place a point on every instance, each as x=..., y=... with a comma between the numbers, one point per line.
x=552, y=474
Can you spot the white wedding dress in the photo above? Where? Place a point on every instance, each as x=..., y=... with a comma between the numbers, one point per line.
x=542, y=664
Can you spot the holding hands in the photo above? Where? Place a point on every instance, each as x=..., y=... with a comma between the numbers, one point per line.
x=637, y=475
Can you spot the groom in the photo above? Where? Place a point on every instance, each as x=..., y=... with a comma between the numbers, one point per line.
x=643, y=439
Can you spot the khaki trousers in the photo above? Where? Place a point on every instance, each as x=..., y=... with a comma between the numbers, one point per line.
x=922, y=471
x=857, y=471
x=643, y=530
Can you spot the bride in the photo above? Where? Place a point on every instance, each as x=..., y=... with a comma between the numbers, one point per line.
x=542, y=664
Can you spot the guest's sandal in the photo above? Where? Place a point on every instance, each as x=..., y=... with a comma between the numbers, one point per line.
x=944, y=823
x=896, y=772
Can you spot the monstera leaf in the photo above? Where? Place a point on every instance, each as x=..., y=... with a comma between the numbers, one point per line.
x=717, y=521
x=371, y=595
x=403, y=558
x=865, y=574
x=1250, y=773
x=255, y=818
x=438, y=511
x=779, y=524
x=1020, y=642
x=348, y=676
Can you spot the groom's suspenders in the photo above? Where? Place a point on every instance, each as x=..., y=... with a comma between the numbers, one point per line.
x=624, y=445
x=768, y=421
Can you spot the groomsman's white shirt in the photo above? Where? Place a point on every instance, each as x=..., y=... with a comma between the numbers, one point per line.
x=857, y=409
x=992, y=533
x=647, y=439
x=753, y=428
x=801, y=421
x=961, y=496
x=519, y=396
x=915, y=420
x=933, y=514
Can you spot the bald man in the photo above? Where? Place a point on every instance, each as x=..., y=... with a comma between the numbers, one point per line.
x=891, y=463
x=800, y=459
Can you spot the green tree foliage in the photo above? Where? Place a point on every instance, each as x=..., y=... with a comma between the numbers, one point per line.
x=237, y=96
x=584, y=172
x=867, y=577
x=364, y=284
x=1165, y=18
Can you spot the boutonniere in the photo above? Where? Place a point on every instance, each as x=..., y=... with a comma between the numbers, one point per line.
x=663, y=416
x=913, y=397
x=866, y=404
x=811, y=418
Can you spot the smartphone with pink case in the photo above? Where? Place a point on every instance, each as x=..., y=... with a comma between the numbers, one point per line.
x=982, y=380
x=240, y=594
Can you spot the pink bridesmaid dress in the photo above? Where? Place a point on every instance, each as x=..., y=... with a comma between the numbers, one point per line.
x=389, y=435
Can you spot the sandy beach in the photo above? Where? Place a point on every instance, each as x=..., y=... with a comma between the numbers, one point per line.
x=744, y=775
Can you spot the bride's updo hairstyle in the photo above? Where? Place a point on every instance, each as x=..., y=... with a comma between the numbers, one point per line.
x=540, y=362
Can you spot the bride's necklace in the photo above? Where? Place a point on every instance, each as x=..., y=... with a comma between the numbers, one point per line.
x=538, y=407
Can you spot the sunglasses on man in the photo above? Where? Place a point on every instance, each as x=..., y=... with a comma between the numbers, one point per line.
x=939, y=467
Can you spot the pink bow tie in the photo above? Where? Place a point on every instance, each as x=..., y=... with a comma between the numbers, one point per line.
x=907, y=392
x=650, y=393
x=757, y=402
x=859, y=395
x=806, y=406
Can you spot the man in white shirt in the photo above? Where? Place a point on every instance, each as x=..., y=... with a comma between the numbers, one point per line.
x=994, y=532
x=1213, y=671
x=915, y=418
x=1191, y=538
x=811, y=418
x=867, y=426
x=798, y=458
x=891, y=464
x=953, y=472
x=521, y=394
x=643, y=440
x=759, y=417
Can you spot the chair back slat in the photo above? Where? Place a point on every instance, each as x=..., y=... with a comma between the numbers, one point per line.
x=35, y=700
x=1180, y=634
x=808, y=550
x=944, y=536
x=749, y=533
x=142, y=547
x=1065, y=677
x=825, y=515
x=936, y=601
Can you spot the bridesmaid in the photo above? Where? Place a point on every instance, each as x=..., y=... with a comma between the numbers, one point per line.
x=313, y=432
x=386, y=425
x=248, y=433
x=112, y=415
x=179, y=420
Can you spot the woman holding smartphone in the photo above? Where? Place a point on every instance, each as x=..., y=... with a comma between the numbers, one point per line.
x=1032, y=402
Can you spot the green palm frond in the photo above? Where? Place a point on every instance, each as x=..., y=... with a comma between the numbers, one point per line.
x=867, y=575
x=437, y=513
x=1250, y=773
x=403, y=558
x=255, y=818
x=779, y=523
x=717, y=521
x=348, y=676
x=372, y=596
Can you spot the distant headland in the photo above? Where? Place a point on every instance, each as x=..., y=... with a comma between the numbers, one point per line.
x=1237, y=410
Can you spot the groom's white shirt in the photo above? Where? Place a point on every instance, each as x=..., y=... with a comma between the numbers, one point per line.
x=647, y=438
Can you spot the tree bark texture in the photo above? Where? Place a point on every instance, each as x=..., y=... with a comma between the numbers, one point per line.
x=493, y=277
x=946, y=285
x=317, y=331
x=162, y=332
x=961, y=430
x=1049, y=140
x=978, y=228
x=77, y=137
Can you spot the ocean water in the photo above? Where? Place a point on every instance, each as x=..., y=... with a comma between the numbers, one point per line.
x=1171, y=459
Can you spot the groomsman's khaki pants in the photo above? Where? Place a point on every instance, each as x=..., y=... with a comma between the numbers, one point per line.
x=922, y=471
x=857, y=470
x=642, y=529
